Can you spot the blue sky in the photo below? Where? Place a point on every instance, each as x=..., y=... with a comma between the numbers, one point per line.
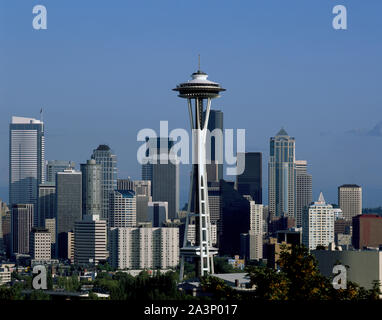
x=104, y=70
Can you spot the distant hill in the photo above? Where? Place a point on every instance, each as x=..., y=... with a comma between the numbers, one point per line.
x=377, y=211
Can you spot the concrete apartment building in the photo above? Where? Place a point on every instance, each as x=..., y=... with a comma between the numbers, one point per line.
x=144, y=248
x=40, y=244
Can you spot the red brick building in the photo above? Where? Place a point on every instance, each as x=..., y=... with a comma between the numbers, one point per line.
x=367, y=231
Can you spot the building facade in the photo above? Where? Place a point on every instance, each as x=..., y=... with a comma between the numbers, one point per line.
x=216, y=146
x=40, y=244
x=104, y=156
x=26, y=160
x=161, y=167
x=46, y=202
x=367, y=231
x=157, y=213
x=54, y=166
x=22, y=223
x=91, y=188
x=281, y=175
x=90, y=240
x=350, y=200
x=303, y=189
x=318, y=224
x=144, y=248
x=122, y=209
x=250, y=181
x=68, y=206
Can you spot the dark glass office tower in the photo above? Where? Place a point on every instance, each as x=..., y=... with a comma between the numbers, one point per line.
x=68, y=207
x=164, y=176
x=215, y=168
x=250, y=182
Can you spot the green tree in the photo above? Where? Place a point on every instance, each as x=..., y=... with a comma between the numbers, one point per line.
x=268, y=283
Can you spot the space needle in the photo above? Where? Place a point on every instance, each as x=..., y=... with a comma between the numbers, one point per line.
x=199, y=91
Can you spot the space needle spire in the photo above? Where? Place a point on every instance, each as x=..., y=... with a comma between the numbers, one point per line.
x=199, y=91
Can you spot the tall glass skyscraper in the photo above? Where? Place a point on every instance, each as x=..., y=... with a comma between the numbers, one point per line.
x=281, y=175
x=26, y=160
x=68, y=207
x=104, y=156
x=91, y=188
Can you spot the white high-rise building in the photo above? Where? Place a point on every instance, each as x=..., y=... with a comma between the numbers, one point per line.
x=144, y=248
x=90, y=240
x=281, y=173
x=122, y=209
x=256, y=217
x=350, y=200
x=318, y=224
x=255, y=234
x=26, y=160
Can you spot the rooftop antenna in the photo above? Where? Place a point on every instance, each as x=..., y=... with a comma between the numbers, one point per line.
x=41, y=115
x=199, y=62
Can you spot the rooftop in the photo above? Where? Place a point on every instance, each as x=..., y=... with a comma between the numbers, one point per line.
x=23, y=120
x=349, y=186
x=103, y=147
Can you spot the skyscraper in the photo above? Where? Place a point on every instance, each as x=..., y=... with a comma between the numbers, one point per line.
x=122, y=209
x=22, y=223
x=46, y=202
x=26, y=160
x=68, y=207
x=143, y=196
x=235, y=218
x=157, y=213
x=215, y=168
x=91, y=188
x=303, y=189
x=250, y=181
x=104, y=156
x=90, y=240
x=318, y=224
x=162, y=169
x=350, y=200
x=281, y=175
x=54, y=166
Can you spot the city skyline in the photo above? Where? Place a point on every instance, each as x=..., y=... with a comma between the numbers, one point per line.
x=275, y=90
